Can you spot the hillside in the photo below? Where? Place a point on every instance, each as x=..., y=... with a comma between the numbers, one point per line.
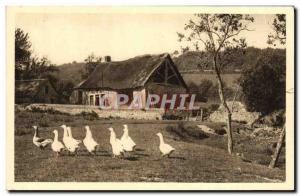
x=189, y=62
x=71, y=72
x=192, y=61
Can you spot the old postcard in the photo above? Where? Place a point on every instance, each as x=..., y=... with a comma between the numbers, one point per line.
x=150, y=98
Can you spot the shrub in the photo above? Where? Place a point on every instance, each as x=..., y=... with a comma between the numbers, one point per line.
x=202, y=90
x=186, y=133
x=263, y=85
x=174, y=115
x=89, y=115
x=48, y=110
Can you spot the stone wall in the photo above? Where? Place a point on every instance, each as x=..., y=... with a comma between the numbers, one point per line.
x=151, y=114
x=239, y=114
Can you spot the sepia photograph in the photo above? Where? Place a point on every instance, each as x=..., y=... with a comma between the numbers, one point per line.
x=150, y=98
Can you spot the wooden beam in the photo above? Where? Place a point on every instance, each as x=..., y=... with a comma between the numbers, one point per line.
x=171, y=76
x=168, y=64
x=166, y=73
x=159, y=74
x=279, y=145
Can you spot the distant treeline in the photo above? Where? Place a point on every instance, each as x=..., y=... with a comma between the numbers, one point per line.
x=199, y=61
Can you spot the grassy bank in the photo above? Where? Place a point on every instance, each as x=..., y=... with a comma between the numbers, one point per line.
x=195, y=160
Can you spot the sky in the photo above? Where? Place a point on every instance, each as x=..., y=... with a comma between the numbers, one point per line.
x=64, y=38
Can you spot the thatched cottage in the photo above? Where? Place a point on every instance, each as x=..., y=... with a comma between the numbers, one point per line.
x=141, y=75
x=35, y=91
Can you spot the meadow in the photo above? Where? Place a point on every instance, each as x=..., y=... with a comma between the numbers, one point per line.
x=229, y=78
x=196, y=159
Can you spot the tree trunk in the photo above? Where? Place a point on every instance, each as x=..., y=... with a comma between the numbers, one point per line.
x=276, y=154
x=224, y=103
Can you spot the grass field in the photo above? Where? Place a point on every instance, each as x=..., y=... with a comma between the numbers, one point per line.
x=229, y=79
x=194, y=160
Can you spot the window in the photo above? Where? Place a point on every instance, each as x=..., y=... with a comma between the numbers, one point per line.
x=104, y=100
x=46, y=89
x=97, y=100
x=79, y=97
x=91, y=99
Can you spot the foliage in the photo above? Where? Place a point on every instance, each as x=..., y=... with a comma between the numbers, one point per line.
x=47, y=111
x=203, y=90
x=263, y=84
x=279, y=28
x=199, y=61
x=64, y=88
x=26, y=66
x=89, y=115
x=22, y=51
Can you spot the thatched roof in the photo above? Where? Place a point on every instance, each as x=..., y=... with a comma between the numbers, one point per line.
x=131, y=73
x=28, y=88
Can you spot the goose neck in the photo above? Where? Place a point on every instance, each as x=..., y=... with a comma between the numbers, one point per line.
x=126, y=132
x=65, y=132
x=112, y=136
x=55, y=136
x=88, y=133
x=161, y=139
x=70, y=132
x=36, y=133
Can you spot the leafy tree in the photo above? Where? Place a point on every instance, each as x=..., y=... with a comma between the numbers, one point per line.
x=22, y=51
x=218, y=33
x=204, y=87
x=38, y=68
x=90, y=64
x=26, y=66
x=65, y=88
x=263, y=84
x=201, y=90
x=279, y=27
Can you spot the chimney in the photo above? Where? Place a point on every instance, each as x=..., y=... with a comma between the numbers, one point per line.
x=107, y=59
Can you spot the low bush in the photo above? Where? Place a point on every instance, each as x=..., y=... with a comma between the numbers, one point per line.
x=48, y=110
x=89, y=115
x=186, y=133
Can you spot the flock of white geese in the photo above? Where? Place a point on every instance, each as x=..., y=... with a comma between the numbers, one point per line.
x=72, y=145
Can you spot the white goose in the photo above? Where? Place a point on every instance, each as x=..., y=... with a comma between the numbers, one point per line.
x=164, y=148
x=89, y=142
x=71, y=136
x=56, y=145
x=126, y=140
x=69, y=143
x=38, y=141
x=116, y=144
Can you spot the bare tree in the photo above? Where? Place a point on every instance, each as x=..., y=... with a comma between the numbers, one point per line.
x=90, y=64
x=279, y=34
x=219, y=35
x=279, y=145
